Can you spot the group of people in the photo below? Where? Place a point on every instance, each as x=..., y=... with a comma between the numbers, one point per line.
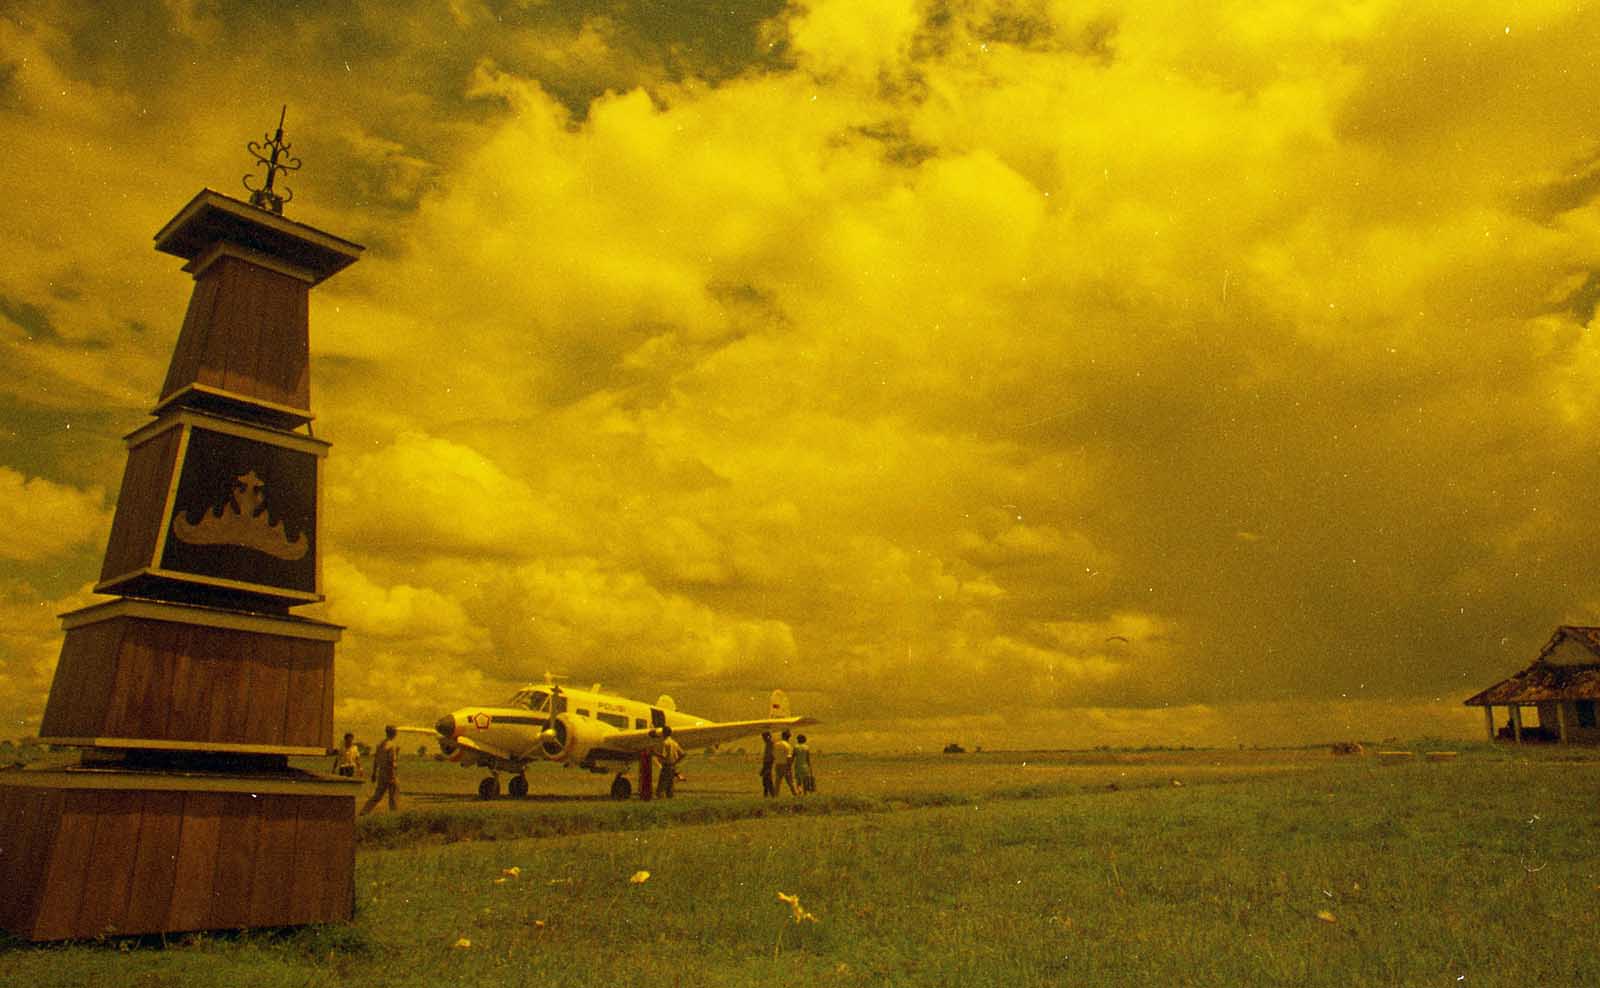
x=786, y=762
x=782, y=762
x=385, y=760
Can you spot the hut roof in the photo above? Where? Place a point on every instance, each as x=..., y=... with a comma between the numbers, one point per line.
x=1544, y=681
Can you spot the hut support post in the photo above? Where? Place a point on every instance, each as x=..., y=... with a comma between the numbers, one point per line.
x=1561, y=719
x=1516, y=722
x=1488, y=719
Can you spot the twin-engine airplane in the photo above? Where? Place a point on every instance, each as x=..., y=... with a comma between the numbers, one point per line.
x=587, y=728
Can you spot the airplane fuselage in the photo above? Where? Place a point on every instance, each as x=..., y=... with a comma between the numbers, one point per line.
x=572, y=729
x=594, y=730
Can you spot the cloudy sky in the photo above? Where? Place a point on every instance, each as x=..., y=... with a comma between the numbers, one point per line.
x=1018, y=373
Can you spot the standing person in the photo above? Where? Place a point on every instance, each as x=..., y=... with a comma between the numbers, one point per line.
x=385, y=761
x=783, y=764
x=670, y=753
x=348, y=762
x=767, y=788
x=802, y=766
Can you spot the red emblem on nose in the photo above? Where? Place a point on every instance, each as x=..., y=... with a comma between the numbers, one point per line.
x=481, y=721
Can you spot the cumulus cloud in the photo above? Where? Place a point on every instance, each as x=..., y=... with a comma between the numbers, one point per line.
x=581, y=616
x=423, y=618
x=425, y=494
x=40, y=519
x=931, y=361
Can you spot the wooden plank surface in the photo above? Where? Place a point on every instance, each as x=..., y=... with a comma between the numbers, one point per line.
x=185, y=366
x=170, y=681
x=283, y=373
x=306, y=718
x=139, y=667
x=141, y=505
x=215, y=338
x=27, y=828
x=232, y=668
x=324, y=877
x=35, y=847
x=68, y=869
x=333, y=818
x=291, y=368
x=247, y=320
x=269, y=689
x=311, y=860
x=326, y=737
x=108, y=882
x=188, y=713
x=85, y=673
x=152, y=718
x=272, y=882
x=155, y=864
x=235, y=323
x=240, y=830
x=195, y=872
x=14, y=809
x=81, y=863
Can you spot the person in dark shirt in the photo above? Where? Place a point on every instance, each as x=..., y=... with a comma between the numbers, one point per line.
x=767, y=786
x=385, y=761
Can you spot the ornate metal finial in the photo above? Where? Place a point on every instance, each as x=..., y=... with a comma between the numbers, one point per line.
x=279, y=160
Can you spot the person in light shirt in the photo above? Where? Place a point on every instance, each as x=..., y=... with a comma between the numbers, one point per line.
x=348, y=762
x=783, y=764
x=669, y=753
x=802, y=766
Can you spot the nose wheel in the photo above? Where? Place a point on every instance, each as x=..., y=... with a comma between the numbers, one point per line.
x=621, y=788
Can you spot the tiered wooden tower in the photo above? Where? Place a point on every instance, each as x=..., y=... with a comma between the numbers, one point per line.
x=190, y=691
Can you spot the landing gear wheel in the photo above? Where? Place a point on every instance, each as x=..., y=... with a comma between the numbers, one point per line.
x=518, y=787
x=489, y=788
x=621, y=788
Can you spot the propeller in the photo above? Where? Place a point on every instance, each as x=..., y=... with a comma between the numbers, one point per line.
x=554, y=731
x=446, y=726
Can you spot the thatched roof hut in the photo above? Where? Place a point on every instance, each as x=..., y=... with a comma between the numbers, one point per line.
x=1562, y=684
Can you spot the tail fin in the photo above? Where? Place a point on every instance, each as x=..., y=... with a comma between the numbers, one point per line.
x=779, y=707
x=665, y=702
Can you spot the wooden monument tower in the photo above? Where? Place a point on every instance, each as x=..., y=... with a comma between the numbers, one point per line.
x=189, y=692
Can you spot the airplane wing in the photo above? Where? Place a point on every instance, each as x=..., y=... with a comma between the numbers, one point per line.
x=467, y=743
x=479, y=746
x=705, y=735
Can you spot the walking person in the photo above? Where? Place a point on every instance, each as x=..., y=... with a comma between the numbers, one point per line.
x=783, y=765
x=767, y=787
x=348, y=761
x=669, y=752
x=385, y=761
x=802, y=766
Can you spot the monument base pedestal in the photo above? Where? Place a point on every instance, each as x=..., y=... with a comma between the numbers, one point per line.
x=88, y=852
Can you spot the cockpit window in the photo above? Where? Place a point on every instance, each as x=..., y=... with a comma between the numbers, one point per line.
x=536, y=699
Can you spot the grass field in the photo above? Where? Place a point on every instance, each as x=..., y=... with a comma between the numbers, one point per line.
x=1162, y=868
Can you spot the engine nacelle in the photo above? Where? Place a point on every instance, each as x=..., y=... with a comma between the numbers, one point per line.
x=570, y=738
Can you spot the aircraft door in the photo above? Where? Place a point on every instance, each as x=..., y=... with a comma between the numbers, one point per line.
x=658, y=717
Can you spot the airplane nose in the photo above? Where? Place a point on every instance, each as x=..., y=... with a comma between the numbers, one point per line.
x=446, y=726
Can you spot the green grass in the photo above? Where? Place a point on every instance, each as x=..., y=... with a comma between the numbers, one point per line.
x=933, y=871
